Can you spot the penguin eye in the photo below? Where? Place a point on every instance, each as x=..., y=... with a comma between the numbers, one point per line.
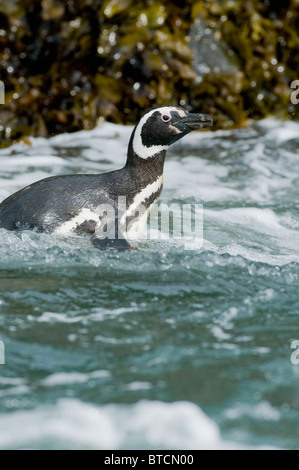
x=166, y=117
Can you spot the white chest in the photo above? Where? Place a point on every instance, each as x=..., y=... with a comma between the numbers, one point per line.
x=133, y=221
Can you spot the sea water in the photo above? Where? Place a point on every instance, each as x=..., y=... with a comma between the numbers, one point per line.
x=174, y=345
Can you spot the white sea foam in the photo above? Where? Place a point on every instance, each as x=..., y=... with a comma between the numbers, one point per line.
x=72, y=424
x=65, y=378
x=280, y=131
x=261, y=411
x=97, y=314
x=256, y=234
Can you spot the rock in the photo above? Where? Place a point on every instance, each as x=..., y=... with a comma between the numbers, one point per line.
x=65, y=65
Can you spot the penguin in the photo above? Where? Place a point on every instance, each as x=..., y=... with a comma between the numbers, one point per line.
x=112, y=208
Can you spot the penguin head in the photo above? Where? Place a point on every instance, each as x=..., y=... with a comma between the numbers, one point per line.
x=160, y=127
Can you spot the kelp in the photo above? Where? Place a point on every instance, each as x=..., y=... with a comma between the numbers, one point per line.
x=67, y=64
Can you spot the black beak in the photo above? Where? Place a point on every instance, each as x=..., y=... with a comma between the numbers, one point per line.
x=195, y=121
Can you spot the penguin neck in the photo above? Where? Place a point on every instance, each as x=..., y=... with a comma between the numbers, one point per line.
x=145, y=170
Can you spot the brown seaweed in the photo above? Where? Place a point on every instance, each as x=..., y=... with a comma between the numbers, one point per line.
x=67, y=64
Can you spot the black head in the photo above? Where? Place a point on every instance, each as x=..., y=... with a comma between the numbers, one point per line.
x=160, y=127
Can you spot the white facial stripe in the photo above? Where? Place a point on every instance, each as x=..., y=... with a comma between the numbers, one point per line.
x=85, y=215
x=145, y=152
x=138, y=147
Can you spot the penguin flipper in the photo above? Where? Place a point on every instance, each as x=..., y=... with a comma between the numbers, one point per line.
x=112, y=244
x=114, y=239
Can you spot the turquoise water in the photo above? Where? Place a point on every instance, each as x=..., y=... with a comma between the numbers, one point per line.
x=174, y=346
